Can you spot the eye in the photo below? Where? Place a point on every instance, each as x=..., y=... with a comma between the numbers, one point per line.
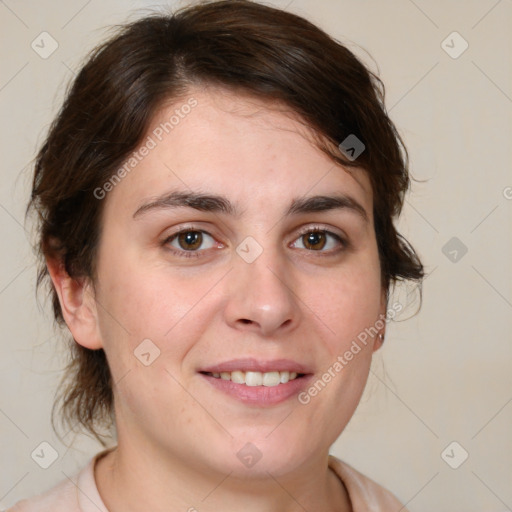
x=319, y=240
x=189, y=241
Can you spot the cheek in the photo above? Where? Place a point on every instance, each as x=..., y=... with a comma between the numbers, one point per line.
x=348, y=304
x=140, y=303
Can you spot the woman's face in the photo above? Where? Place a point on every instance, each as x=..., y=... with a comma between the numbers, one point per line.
x=248, y=286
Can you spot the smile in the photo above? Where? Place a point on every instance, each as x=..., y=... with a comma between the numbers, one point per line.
x=269, y=379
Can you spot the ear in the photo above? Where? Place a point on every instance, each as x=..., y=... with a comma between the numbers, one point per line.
x=379, y=339
x=78, y=305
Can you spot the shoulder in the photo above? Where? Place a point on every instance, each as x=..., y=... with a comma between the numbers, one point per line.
x=365, y=494
x=77, y=494
x=61, y=497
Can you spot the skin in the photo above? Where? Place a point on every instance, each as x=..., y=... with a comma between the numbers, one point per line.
x=177, y=435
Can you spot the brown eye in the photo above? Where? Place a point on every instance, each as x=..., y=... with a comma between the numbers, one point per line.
x=319, y=240
x=190, y=240
x=314, y=240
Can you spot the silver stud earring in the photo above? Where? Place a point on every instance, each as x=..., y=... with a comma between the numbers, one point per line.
x=381, y=337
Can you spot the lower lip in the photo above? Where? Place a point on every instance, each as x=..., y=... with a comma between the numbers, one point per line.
x=259, y=395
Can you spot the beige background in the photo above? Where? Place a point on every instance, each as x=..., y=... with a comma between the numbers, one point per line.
x=445, y=374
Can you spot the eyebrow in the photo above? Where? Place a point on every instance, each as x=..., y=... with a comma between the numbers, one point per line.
x=221, y=204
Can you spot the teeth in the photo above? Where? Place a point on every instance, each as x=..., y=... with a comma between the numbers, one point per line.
x=237, y=377
x=271, y=378
x=268, y=379
x=253, y=379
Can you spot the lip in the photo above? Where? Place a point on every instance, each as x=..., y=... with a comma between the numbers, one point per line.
x=260, y=396
x=256, y=365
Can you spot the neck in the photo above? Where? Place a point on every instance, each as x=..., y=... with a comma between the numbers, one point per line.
x=131, y=480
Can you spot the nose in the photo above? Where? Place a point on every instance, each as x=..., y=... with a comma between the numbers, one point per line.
x=261, y=297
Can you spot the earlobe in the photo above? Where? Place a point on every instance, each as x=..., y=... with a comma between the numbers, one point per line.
x=379, y=342
x=77, y=302
x=379, y=339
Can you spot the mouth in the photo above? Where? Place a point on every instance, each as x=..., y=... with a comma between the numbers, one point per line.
x=252, y=379
x=258, y=383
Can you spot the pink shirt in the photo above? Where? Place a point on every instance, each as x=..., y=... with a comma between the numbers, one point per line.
x=81, y=494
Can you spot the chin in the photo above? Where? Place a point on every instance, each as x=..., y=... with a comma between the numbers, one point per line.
x=256, y=456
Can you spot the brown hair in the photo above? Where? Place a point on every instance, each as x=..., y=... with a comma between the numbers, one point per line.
x=239, y=45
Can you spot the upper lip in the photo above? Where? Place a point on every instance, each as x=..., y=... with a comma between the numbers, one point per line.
x=256, y=365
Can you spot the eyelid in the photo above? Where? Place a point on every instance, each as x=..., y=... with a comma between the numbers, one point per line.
x=320, y=227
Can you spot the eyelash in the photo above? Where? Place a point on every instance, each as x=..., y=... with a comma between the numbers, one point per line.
x=197, y=253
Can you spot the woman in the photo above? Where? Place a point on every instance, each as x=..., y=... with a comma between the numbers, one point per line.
x=216, y=202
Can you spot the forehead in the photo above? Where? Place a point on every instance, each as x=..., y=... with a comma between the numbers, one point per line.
x=238, y=145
